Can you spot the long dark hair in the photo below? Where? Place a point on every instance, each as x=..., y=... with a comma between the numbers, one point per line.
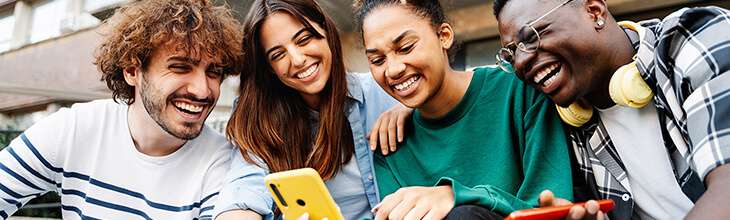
x=271, y=120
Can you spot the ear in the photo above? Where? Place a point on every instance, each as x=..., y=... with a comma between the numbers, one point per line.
x=598, y=12
x=446, y=35
x=132, y=75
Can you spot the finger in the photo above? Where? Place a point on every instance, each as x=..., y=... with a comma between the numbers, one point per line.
x=592, y=209
x=417, y=212
x=400, y=124
x=576, y=212
x=375, y=209
x=374, y=134
x=304, y=216
x=600, y=215
x=383, y=136
x=546, y=198
x=400, y=211
x=392, y=127
x=437, y=214
x=385, y=206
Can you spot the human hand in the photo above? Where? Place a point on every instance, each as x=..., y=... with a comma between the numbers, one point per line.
x=589, y=211
x=305, y=216
x=416, y=202
x=388, y=129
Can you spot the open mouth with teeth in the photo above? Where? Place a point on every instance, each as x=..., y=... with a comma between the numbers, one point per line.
x=188, y=108
x=547, y=75
x=406, y=85
x=309, y=72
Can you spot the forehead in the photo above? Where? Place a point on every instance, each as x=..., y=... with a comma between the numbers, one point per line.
x=517, y=13
x=279, y=27
x=384, y=24
x=194, y=53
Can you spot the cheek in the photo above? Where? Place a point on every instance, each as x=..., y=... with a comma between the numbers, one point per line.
x=378, y=75
x=279, y=67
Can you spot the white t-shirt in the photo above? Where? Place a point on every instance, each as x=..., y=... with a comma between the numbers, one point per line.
x=86, y=154
x=636, y=133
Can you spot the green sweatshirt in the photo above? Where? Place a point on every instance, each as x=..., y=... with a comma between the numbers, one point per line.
x=499, y=147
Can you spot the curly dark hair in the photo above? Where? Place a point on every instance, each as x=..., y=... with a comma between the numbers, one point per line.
x=136, y=29
x=428, y=9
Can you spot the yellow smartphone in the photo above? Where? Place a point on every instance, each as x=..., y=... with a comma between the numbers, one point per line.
x=302, y=190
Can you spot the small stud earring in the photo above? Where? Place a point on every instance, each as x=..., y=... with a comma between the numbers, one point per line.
x=600, y=22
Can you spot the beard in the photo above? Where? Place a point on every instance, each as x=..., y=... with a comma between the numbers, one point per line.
x=154, y=102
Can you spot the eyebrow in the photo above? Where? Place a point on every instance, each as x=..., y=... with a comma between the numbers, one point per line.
x=395, y=40
x=296, y=35
x=184, y=59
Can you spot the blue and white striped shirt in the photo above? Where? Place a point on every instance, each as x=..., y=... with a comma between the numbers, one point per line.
x=86, y=154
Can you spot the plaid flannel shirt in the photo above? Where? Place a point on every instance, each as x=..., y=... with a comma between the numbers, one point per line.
x=685, y=58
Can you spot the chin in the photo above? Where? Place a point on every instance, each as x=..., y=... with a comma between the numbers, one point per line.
x=563, y=100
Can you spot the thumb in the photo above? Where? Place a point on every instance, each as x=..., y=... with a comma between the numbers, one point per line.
x=546, y=198
x=304, y=216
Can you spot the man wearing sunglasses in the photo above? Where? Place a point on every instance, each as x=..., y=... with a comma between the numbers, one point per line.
x=647, y=105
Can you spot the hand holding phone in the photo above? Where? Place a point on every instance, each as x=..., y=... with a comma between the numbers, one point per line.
x=301, y=192
x=554, y=212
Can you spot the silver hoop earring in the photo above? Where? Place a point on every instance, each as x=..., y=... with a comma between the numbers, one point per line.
x=600, y=23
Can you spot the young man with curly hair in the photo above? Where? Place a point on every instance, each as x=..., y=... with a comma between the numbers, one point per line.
x=146, y=154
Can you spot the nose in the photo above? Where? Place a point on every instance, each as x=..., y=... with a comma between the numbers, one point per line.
x=298, y=59
x=523, y=62
x=395, y=68
x=199, y=84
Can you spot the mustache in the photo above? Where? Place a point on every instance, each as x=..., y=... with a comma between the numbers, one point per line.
x=207, y=100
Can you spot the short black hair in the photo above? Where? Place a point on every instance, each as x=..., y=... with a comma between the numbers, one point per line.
x=498, y=5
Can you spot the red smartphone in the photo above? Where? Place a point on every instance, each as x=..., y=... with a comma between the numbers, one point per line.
x=554, y=212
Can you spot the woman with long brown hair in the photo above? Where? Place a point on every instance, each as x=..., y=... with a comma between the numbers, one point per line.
x=298, y=107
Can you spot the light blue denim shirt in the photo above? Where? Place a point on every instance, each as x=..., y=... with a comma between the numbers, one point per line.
x=244, y=188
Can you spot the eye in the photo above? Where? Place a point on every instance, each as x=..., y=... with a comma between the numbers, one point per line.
x=179, y=68
x=530, y=36
x=215, y=73
x=304, y=40
x=377, y=61
x=276, y=55
x=406, y=49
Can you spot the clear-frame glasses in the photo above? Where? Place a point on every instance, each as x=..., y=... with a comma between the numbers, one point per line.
x=529, y=42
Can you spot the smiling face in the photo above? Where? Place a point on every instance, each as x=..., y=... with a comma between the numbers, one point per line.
x=568, y=63
x=179, y=91
x=407, y=58
x=300, y=58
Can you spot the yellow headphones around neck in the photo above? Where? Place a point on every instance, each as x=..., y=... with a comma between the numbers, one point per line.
x=626, y=88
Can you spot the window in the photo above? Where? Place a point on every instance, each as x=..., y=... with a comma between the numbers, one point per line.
x=94, y=5
x=481, y=53
x=47, y=16
x=7, y=23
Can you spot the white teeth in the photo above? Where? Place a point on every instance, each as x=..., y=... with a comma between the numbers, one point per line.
x=407, y=84
x=551, y=79
x=545, y=72
x=189, y=107
x=308, y=72
x=539, y=77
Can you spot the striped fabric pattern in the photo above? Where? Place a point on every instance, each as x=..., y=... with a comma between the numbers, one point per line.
x=38, y=162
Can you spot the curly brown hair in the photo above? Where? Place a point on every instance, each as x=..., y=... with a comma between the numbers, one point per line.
x=136, y=29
